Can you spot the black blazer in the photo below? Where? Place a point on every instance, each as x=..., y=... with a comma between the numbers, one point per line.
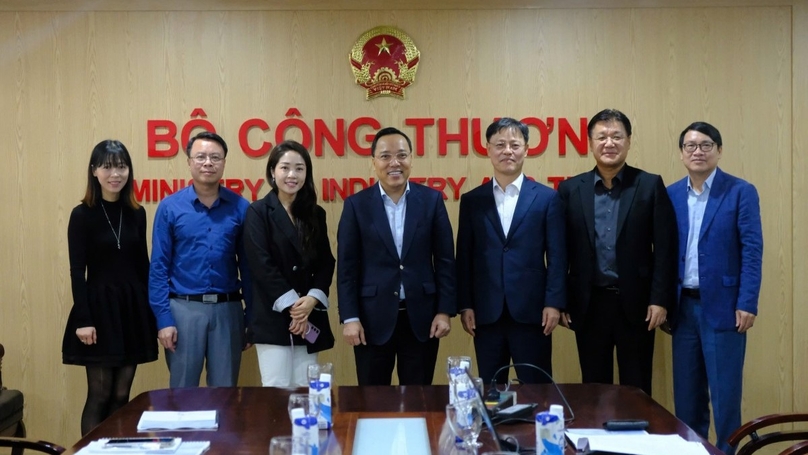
x=647, y=243
x=277, y=265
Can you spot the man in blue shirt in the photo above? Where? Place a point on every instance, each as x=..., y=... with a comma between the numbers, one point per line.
x=197, y=257
x=721, y=259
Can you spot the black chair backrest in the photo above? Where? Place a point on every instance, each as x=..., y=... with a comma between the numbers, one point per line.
x=19, y=445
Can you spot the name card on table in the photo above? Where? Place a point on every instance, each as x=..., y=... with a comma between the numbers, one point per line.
x=177, y=420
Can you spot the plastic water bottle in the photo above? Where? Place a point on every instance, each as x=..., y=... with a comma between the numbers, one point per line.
x=558, y=410
x=549, y=434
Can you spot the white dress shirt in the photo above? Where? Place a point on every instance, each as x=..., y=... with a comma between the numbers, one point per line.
x=506, y=201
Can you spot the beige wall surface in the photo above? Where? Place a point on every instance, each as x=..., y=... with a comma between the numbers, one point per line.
x=72, y=76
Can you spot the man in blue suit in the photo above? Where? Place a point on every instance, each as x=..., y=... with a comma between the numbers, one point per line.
x=395, y=270
x=511, y=261
x=721, y=253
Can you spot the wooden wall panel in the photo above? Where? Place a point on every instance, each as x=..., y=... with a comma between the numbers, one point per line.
x=73, y=77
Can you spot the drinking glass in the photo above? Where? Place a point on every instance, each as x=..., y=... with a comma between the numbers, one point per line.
x=457, y=361
x=288, y=445
x=466, y=421
x=309, y=403
x=465, y=387
x=315, y=369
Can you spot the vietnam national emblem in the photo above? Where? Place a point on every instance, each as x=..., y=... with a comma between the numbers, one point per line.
x=384, y=61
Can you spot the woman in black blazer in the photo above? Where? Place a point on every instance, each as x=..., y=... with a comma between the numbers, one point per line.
x=290, y=260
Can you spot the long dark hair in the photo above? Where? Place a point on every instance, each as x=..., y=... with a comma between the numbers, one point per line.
x=304, y=207
x=113, y=153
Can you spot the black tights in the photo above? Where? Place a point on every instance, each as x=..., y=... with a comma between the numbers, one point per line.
x=107, y=390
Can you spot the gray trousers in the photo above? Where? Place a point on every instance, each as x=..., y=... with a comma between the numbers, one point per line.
x=212, y=332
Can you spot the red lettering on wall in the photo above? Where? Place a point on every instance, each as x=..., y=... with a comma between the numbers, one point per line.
x=554, y=181
x=478, y=139
x=544, y=134
x=419, y=124
x=244, y=141
x=336, y=141
x=353, y=134
x=565, y=131
x=254, y=188
x=161, y=132
x=300, y=125
x=444, y=137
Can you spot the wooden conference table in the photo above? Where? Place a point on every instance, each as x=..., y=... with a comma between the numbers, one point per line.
x=250, y=416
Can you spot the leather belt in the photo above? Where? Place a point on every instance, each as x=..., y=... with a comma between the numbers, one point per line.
x=691, y=293
x=402, y=305
x=208, y=298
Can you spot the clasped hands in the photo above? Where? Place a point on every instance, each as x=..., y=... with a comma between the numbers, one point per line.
x=299, y=311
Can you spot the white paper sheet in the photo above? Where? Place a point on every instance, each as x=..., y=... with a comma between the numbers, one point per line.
x=635, y=442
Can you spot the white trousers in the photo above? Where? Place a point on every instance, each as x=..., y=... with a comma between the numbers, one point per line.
x=284, y=366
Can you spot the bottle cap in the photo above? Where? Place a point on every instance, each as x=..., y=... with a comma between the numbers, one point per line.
x=558, y=410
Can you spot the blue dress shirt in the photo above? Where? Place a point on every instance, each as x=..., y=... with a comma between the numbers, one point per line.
x=197, y=250
x=696, y=203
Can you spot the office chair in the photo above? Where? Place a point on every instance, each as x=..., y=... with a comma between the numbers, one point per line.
x=11, y=407
x=758, y=441
x=797, y=449
x=20, y=445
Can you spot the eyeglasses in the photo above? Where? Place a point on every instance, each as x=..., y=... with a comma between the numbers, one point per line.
x=515, y=147
x=704, y=146
x=388, y=157
x=201, y=158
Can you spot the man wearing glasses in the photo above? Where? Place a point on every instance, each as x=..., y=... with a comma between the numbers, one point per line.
x=511, y=261
x=721, y=255
x=395, y=270
x=197, y=259
x=621, y=246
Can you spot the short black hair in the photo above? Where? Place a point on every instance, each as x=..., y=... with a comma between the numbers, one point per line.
x=387, y=132
x=506, y=123
x=703, y=128
x=206, y=135
x=608, y=115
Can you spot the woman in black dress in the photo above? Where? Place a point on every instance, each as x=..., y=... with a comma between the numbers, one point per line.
x=287, y=249
x=111, y=328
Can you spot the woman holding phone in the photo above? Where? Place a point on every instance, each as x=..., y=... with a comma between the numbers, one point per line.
x=290, y=260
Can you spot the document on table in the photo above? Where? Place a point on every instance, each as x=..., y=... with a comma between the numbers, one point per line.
x=177, y=420
x=634, y=442
x=391, y=436
x=185, y=448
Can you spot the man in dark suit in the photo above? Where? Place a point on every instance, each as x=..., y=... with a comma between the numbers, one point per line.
x=721, y=256
x=621, y=246
x=511, y=261
x=395, y=270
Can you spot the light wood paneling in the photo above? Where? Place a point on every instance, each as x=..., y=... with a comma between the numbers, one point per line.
x=73, y=76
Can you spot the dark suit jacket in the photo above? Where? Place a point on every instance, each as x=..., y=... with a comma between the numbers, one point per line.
x=369, y=270
x=646, y=243
x=275, y=256
x=730, y=247
x=525, y=268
